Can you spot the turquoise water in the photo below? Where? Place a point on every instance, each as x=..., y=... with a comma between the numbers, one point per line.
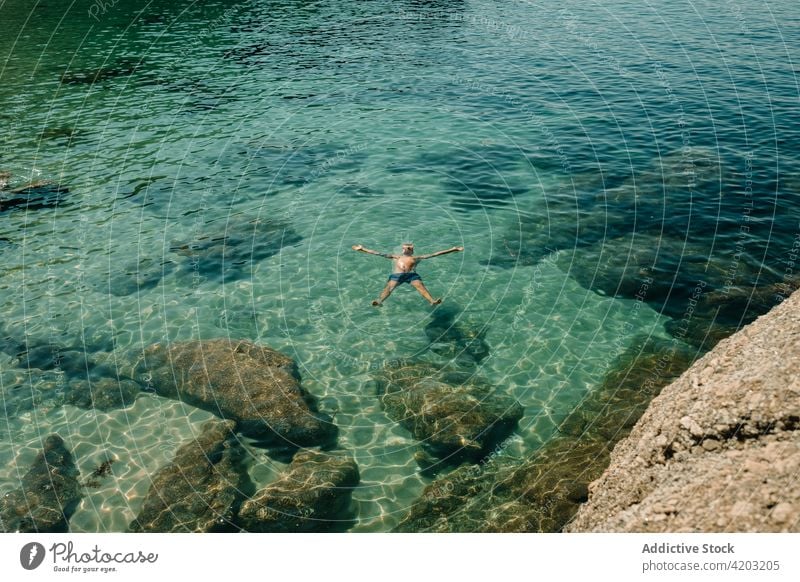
x=532, y=134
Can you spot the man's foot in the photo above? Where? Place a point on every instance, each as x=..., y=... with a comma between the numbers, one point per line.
x=376, y=303
x=436, y=302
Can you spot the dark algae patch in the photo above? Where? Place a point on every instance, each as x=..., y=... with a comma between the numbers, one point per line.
x=312, y=495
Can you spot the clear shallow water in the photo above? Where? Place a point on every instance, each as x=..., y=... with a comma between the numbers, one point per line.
x=448, y=123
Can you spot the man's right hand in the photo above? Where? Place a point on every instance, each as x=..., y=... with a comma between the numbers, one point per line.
x=358, y=247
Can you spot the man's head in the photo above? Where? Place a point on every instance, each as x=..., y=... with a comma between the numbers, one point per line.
x=408, y=248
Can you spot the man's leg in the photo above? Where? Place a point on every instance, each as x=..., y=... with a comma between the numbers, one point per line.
x=385, y=293
x=419, y=286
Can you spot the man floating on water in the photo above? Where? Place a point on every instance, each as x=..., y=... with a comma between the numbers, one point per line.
x=404, y=271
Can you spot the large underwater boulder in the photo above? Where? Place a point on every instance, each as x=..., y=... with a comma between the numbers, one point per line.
x=312, y=495
x=201, y=489
x=719, y=449
x=226, y=251
x=256, y=386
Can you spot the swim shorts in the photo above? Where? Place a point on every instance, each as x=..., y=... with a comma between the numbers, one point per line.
x=404, y=277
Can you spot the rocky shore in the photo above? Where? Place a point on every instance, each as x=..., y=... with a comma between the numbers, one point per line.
x=719, y=449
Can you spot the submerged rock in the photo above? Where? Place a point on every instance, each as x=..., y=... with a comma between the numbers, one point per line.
x=104, y=393
x=94, y=480
x=42, y=356
x=455, y=415
x=655, y=267
x=637, y=376
x=201, y=489
x=313, y=495
x=697, y=168
x=721, y=312
x=135, y=277
x=65, y=133
x=10, y=342
x=230, y=253
x=542, y=493
x=123, y=68
x=453, y=340
x=538, y=495
x=49, y=356
x=485, y=176
x=256, y=386
x=49, y=493
x=719, y=449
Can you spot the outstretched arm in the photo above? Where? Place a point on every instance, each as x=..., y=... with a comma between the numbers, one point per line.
x=371, y=252
x=444, y=252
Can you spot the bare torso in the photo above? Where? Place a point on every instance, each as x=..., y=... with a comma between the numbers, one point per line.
x=405, y=264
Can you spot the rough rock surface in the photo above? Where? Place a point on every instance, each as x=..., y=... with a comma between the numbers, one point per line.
x=201, y=489
x=453, y=413
x=719, y=449
x=312, y=495
x=256, y=386
x=31, y=196
x=542, y=493
x=50, y=490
